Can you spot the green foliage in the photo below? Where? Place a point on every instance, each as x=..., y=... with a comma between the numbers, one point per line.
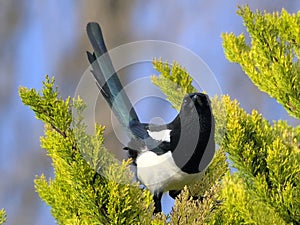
x=91, y=187
x=272, y=59
x=265, y=187
x=189, y=211
x=78, y=194
x=2, y=216
x=50, y=108
x=240, y=207
x=267, y=159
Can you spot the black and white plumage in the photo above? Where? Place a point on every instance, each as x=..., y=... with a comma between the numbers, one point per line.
x=168, y=156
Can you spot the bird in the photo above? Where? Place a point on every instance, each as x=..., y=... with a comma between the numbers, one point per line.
x=166, y=156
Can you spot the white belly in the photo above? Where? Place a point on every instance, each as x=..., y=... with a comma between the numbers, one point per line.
x=160, y=173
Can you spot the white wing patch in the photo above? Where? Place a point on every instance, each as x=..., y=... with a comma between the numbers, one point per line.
x=163, y=135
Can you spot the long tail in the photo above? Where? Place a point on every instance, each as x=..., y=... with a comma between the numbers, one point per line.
x=107, y=79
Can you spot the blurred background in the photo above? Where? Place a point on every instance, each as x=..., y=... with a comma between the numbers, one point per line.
x=48, y=37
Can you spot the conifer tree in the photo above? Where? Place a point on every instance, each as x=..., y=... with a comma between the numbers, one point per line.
x=2, y=216
x=264, y=187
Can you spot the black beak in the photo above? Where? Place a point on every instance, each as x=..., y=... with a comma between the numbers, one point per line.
x=196, y=99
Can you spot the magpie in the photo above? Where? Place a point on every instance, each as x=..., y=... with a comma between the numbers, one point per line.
x=167, y=156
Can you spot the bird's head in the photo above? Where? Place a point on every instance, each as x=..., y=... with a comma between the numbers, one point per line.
x=195, y=107
x=195, y=103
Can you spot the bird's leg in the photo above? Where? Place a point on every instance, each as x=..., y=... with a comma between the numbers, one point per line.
x=174, y=193
x=157, y=201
